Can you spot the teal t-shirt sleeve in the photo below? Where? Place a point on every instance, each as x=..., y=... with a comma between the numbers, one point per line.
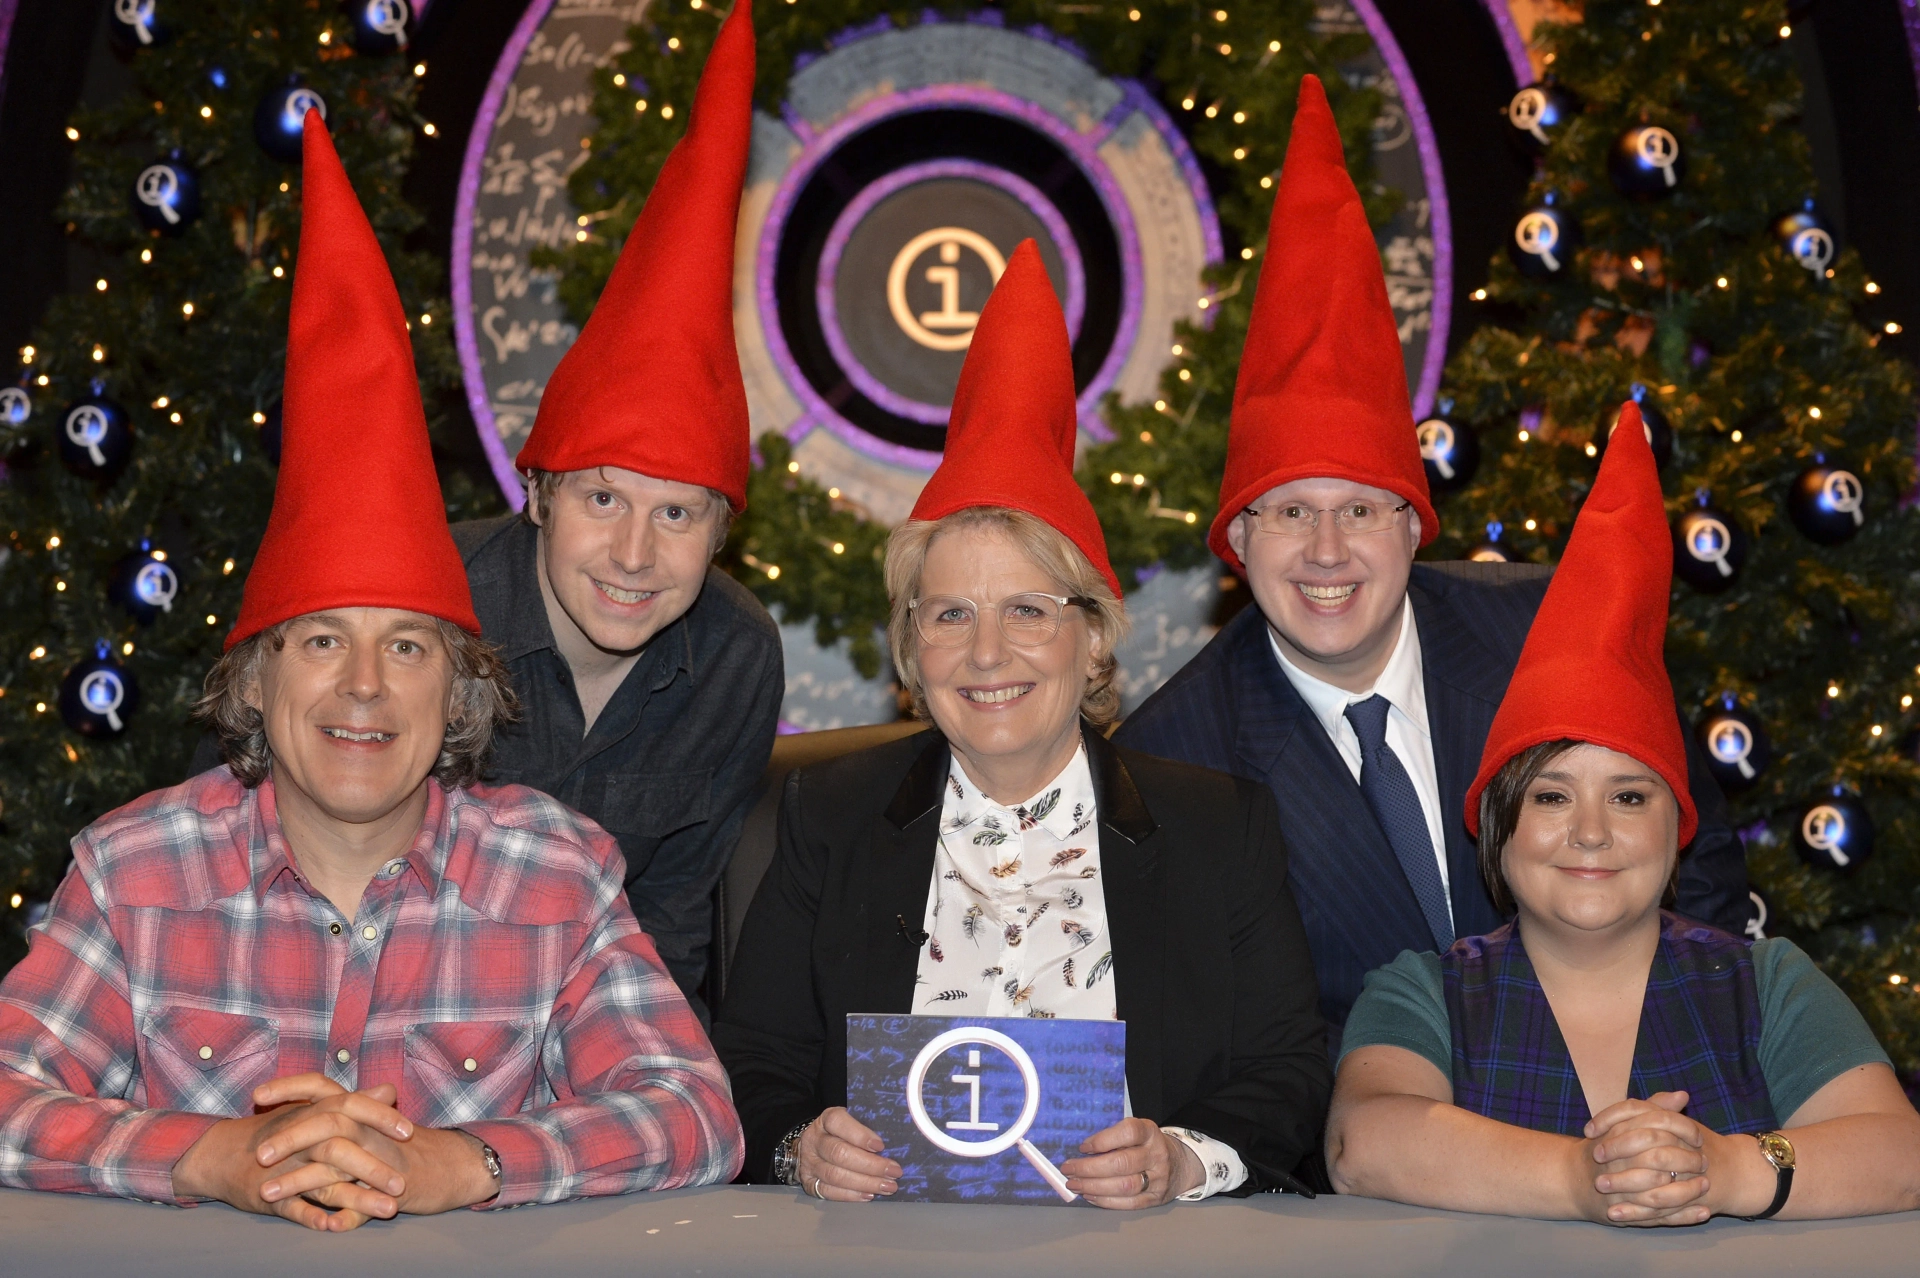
x=1403, y=1004
x=1810, y=1032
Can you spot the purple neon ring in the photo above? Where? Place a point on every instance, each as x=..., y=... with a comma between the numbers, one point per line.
x=850, y=217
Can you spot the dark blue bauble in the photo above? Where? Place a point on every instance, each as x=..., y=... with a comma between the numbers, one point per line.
x=1827, y=503
x=134, y=25
x=1493, y=550
x=1834, y=832
x=1808, y=238
x=1538, y=114
x=16, y=406
x=145, y=584
x=1659, y=430
x=280, y=117
x=1450, y=451
x=270, y=435
x=99, y=695
x=95, y=437
x=1760, y=914
x=1737, y=747
x=380, y=26
x=1543, y=241
x=1709, y=549
x=166, y=195
x=1646, y=162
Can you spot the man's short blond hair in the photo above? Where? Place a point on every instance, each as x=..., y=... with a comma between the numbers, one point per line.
x=483, y=696
x=1051, y=552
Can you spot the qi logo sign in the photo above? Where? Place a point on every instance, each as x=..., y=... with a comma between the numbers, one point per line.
x=949, y=327
x=1013, y=1134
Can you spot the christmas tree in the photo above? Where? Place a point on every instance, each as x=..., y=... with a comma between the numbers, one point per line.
x=1671, y=249
x=140, y=434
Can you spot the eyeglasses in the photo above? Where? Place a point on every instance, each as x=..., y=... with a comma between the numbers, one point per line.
x=1027, y=621
x=1356, y=518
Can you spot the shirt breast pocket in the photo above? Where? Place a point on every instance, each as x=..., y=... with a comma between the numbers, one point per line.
x=207, y=1062
x=643, y=809
x=462, y=1071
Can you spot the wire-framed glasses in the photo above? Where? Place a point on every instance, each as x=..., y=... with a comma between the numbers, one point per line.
x=1027, y=621
x=1296, y=519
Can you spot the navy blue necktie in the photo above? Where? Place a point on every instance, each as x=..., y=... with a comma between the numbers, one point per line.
x=1396, y=806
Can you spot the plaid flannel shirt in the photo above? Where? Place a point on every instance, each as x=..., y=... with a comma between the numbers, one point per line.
x=494, y=974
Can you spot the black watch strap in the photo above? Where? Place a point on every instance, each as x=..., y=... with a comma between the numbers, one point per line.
x=1783, y=1184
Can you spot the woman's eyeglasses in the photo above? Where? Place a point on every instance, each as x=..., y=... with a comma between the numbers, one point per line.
x=1027, y=621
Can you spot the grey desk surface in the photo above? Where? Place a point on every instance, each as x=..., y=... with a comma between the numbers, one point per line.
x=777, y=1232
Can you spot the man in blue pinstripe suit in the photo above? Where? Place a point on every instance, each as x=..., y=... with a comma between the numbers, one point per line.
x=1361, y=685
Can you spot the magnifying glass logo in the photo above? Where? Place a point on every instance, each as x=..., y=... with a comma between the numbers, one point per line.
x=1825, y=829
x=1732, y=744
x=1709, y=541
x=1011, y=1136
x=1659, y=149
x=1537, y=235
x=87, y=427
x=1842, y=493
x=1436, y=445
x=102, y=692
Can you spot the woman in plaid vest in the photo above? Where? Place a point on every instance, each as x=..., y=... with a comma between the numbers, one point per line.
x=1599, y=1057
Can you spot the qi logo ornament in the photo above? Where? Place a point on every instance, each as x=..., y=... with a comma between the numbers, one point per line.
x=1543, y=241
x=949, y=328
x=144, y=583
x=166, y=196
x=1449, y=451
x=1537, y=113
x=1736, y=744
x=135, y=25
x=98, y=694
x=281, y=116
x=95, y=438
x=380, y=26
x=1709, y=548
x=1808, y=239
x=15, y=406
x=1834, y=833
x=1646, y=163
x=1827, y=503
x=1013, y=1134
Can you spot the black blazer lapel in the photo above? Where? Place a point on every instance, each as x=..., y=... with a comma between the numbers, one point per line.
x=1465, y=681
x=1128, y=857
x=895, y=879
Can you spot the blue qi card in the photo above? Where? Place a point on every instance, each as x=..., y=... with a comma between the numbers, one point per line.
x=984, y=1109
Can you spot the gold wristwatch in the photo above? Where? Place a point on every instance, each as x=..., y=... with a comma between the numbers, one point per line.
x=1778, y=1151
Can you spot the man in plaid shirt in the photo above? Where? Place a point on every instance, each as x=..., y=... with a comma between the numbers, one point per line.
x=331, y=981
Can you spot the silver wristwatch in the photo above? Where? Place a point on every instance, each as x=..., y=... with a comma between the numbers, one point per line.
x=786, y=1155
x=488, y=1155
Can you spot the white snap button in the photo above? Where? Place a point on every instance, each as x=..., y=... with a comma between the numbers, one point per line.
x=343, y=1056
x=370, y=931
x=472, y=1064
x=206, y=1053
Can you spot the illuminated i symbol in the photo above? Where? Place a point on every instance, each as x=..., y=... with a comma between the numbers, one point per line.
x=949, y=328
x=973, y=1123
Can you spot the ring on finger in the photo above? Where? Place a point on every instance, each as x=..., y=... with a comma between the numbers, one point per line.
x=816, y=1190
x=1143, y=1182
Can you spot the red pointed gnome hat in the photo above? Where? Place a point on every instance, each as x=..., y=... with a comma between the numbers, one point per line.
x=1322, y=391
x=653, y=383
x=1011, y=434
x=1592, y=668
x=358, y=520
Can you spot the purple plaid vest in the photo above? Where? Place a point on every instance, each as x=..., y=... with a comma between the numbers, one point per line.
x=1699, y=1033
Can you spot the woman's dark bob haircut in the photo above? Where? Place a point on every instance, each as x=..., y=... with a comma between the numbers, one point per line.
x=1500, y=806
x=483, y=700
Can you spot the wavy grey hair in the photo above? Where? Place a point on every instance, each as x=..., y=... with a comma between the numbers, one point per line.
x=1051, y=551
x=483, y=699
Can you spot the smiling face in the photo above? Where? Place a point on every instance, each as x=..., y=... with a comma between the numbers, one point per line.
x=355, y=705
x=1596, y=842
x=1331, y=598
x=1009, y=710
x=622, y=556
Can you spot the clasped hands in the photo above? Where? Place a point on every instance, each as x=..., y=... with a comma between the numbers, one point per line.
x=331, y=1159
x=841, y=1159
x=1644, y=1162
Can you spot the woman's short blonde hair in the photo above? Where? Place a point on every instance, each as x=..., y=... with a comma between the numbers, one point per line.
x=483, y=703
x=1050, y=551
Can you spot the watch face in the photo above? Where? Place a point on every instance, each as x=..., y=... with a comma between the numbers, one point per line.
x=1777, y=1148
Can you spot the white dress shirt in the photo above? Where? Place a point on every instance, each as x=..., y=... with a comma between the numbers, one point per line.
x=1403, y=684
x=1016, y=921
